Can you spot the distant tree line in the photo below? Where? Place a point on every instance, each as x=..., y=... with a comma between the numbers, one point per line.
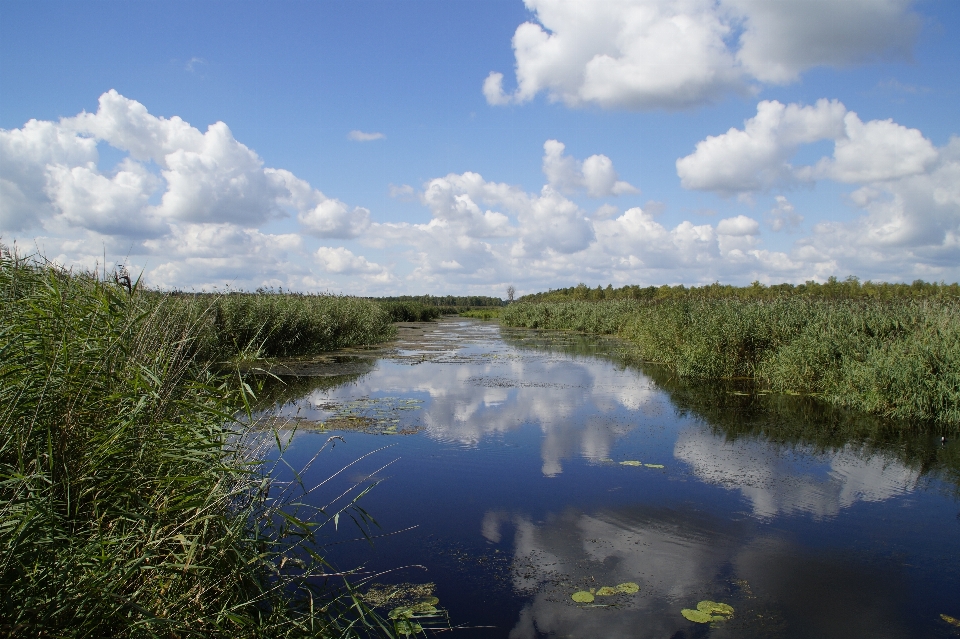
x=833, y=288
x=444, y=300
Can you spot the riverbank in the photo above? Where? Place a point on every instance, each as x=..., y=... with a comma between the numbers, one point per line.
x=893, y=356
x=131, y=503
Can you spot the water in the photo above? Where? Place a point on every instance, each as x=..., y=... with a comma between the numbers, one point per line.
x=507, y=460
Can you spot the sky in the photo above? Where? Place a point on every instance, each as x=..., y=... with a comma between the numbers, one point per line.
x=461, y=146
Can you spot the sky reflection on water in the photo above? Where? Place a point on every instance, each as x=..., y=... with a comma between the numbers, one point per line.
x=515, y=483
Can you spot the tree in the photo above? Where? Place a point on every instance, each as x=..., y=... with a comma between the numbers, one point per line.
x=511, y=291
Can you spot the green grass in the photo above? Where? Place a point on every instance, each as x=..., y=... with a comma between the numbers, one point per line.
x=897, y=357
x=132, y=504
x=483, y=313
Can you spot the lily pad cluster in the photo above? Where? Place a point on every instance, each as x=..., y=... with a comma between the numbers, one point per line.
x=708, y=611
x=407, y=619
x=633, y=462
x=626, y=588
x=950, y=620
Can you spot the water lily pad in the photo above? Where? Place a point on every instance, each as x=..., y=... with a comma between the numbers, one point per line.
x=950, y=620
x=423, y=607
x=654, y=465
x=401, y=612
x=628, y=588
x=433, y=601
x=407, y=628
x=606, y=591
x=715, y=608
x=582, y=597
x=696, y=616
x=631, y=462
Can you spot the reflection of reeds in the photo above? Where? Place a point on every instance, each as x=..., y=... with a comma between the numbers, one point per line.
x=130, y=505
x=896, y=358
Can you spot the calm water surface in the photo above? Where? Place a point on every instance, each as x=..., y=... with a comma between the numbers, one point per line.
x=507, y=461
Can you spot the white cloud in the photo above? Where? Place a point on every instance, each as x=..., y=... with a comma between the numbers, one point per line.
x=341, y=261
x=907, y=187
x=403, y=192
x=739, y=226
x=642, y=54
x=783, y=215
x=360, y=136
x=595, y=174
x=875, y=151
x=757, y=157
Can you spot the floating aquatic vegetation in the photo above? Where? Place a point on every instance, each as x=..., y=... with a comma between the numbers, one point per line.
x=372, y=415
x=406, y=627
x=696, y=616
x=631, y=462
x=951, y=620
x=654, y=465
x=405, y=594
x=628, y=588
x=582, y=597
x=715, y=608
x=606, y=591
x=708, y=611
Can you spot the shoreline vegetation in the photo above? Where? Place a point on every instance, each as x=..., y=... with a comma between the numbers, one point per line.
x=135, y=501
x=892, y=350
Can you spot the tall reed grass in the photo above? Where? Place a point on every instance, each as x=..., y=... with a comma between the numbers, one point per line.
x=896, y=358
x=273, y=324
x=131, y=503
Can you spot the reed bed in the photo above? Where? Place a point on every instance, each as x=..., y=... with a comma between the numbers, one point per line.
x=897, y=357
x=132, y=504
x=277, y=324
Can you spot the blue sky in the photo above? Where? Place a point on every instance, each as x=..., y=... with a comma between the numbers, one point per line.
x=494, y=142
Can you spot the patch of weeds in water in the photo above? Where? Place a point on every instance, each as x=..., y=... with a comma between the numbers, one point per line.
x=951, y=620
x=413, y=607
x=654, y=465
x=379, y=415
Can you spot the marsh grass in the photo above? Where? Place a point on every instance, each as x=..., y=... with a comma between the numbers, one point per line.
x=277, y=324
x=132, y=503
x=898, y=357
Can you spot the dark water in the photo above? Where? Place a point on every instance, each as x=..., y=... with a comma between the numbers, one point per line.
x=808, y=522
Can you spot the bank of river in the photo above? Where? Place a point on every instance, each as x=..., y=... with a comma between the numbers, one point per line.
x=534, y=467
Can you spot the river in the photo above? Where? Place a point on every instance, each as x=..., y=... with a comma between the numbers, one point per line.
x=522, y=467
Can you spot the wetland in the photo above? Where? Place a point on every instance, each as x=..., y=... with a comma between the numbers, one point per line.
x=531, y=483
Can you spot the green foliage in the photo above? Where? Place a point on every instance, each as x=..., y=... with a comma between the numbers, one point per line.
x=897, y=357
x=276, y=324
x=449, y=301
x=850, y=288
x=411, y=311
x=482, y=313
x=131, y=505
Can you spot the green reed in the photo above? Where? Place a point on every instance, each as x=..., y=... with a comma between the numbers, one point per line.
x=132, y=501
x=897, y=357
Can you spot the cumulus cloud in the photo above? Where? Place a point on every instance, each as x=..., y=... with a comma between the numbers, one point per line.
x=907, y=187
x=360, y=136
x=341, y=261
x=595, y=174
x=757, y=157
x=642, y=54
